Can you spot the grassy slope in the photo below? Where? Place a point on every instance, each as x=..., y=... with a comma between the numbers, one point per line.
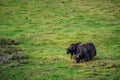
x=46, y=27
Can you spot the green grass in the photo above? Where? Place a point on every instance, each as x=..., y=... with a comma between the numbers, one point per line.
x=46, y=27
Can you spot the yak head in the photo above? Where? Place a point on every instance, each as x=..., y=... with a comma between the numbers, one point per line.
x=71, y=49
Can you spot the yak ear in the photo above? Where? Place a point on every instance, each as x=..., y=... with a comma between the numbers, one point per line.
x=72, y=44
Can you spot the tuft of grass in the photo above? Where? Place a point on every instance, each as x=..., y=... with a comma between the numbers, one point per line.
x=9, y=53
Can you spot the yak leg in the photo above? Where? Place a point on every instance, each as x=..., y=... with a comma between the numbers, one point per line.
x=71, y=56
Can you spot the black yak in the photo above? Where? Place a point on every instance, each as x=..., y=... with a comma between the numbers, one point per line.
x=81, y=51
x=85, y=51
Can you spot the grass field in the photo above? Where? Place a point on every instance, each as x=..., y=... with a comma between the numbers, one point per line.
x=44, y=28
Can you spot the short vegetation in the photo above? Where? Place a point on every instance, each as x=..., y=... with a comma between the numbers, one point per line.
x=34, y=35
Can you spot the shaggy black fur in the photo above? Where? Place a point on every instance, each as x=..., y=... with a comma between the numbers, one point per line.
x=72, y=49
x=81, y=51
x=85, y=51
